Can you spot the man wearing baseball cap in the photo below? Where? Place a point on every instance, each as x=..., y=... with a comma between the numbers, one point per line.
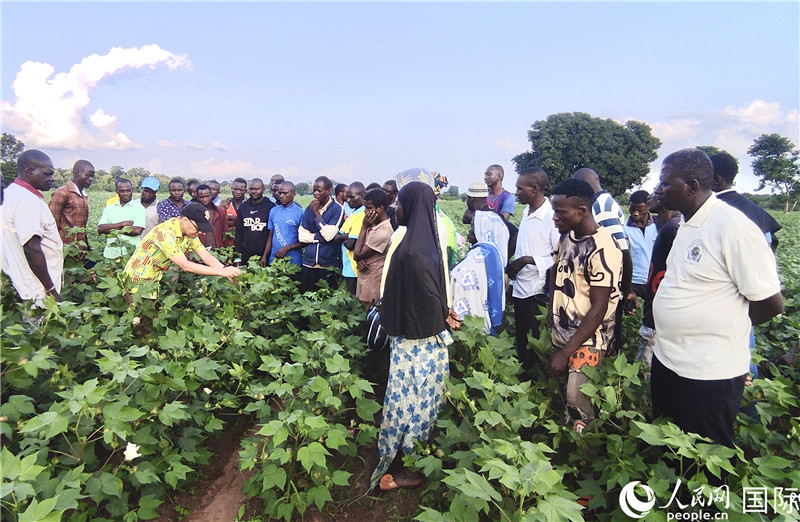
x=150, y=186
x=170, y=242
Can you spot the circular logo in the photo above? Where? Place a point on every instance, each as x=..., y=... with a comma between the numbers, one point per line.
x=630, y=503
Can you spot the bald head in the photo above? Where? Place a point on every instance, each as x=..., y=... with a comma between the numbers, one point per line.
x=590, y=177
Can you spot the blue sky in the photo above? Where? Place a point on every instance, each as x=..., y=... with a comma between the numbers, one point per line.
x=361, y=91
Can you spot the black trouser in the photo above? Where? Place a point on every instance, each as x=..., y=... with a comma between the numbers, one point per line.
x=708, y=408
x=526, y=319
x=351, y=283
x=309, y=277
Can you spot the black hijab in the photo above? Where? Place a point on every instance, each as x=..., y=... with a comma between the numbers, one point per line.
x=415, y=295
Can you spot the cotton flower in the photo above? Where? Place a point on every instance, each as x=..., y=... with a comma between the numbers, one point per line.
x=132, y=451
x=136, y=321
x=207, y=390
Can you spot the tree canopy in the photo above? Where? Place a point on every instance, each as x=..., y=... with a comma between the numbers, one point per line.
x=11, y=149
x=710, y=150
x=564, y=142
x=775, y=162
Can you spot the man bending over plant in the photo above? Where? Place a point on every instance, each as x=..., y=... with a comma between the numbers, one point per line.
x=170, y=242
x=585, y=293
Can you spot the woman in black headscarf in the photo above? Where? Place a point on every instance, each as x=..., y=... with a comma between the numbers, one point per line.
x=415, y=314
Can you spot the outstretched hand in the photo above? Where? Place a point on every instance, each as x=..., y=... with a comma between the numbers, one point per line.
x=230, y=272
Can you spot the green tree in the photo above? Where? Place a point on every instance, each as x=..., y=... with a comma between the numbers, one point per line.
x=710, y=150
x=565, y=142
x=302, y=188
x=11, y=149
x=775, y=161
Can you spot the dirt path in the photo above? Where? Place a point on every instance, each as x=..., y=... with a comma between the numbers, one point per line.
x=218, y=496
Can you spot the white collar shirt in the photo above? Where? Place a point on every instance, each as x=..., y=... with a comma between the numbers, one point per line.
x=718, y=264
x=538, y=237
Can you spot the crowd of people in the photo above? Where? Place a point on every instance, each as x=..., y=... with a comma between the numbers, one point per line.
x=698, y=255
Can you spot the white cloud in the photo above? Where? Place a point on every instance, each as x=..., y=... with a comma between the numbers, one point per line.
x=757, y=113
x=168, y=144
x=226, y=169
x=49, y=110
x=101, y=120
x=155, y=165
x=678, y=129
x=193, y=145
x=220, y=146
x=731, y=128
x=339, y=172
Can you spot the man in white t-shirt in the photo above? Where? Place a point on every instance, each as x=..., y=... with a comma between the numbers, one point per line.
x=33, y=256
x=721, y=277
x=537, y=240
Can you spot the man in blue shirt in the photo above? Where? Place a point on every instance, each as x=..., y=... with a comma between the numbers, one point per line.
x=641, y=231
x=318, y=230
x=283, y=226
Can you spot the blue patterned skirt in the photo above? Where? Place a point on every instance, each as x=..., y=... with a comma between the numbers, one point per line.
x=418, y=371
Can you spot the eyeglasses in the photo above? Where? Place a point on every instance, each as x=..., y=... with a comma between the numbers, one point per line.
x=196, y=228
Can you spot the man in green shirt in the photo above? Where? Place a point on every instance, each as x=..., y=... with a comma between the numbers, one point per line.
x=125, y=216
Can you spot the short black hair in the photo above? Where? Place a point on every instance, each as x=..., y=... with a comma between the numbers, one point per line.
x=176, y=180
x=378, y=198
x=639, y=197
x=203, y=186
x=326, y=182
x=31, y=158
x=192, y=182
x=240, y=180
x=122, y=180
x=372, y=186
x=725, y=166
x=691, y=164
x=575, y=188
x=392, y=183
x=356, y=186
x=340, y=187
x=536, y=175
x=80, y=164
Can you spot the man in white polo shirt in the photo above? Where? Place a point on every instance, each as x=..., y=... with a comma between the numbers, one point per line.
x=537, y=240
x=32, y=248
x=721, y=277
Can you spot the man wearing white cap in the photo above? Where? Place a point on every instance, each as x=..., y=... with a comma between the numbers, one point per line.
x=476, y=200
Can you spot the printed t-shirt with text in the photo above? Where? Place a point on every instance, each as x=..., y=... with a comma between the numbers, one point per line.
x=582, y=263
x=152, y=256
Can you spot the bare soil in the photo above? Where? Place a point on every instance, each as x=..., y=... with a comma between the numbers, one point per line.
x=217, y=496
